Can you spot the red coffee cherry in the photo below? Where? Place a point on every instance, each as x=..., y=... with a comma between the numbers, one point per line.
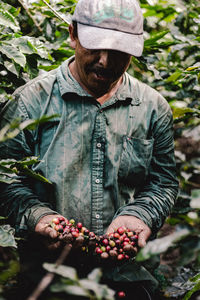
x=121, y=294
x=79, y=225
x=56, y=221
x=121, y=230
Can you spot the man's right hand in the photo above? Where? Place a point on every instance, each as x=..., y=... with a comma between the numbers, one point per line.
x=50, y=236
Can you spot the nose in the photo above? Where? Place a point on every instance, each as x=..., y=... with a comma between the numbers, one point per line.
x=103, y=58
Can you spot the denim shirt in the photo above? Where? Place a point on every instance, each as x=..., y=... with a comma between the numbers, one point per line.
x=102, y=160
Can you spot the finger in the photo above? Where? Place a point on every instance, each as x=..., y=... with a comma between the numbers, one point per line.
x=111, y=228
x=53, y=246
x=142, y=238
x=49, y=232
x=78, y=242
x=67, y=238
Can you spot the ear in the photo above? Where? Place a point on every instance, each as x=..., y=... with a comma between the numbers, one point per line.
x=73, y=39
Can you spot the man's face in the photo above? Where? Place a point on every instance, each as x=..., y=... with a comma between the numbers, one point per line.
x=98, y=71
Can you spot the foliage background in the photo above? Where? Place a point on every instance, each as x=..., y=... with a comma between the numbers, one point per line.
x=34, y=39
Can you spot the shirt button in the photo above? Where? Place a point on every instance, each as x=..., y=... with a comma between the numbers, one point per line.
x=97, y=180
x=97, y=216
x=98, y=145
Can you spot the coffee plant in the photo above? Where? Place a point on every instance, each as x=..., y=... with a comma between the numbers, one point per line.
x=34, y=39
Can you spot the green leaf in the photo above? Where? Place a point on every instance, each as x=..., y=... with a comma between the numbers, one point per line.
x=174, y=76
x=192, y=291
x=7, y=236
x=179, y=112
x=40, y=48
x=32, y=124
x=155, y=37
x=13, y=53
x=99, y=290
x=7, y=20
x=10, y=272
x=195, y=201
x=33, y=174
x=10, y=131
x=24, y=45
x=12, y=67
x=194, y=67
x=195, y=278
x=160, y=245
x=64, y=271
x=7, y=179
x=70, y=289
x=10, y=166
x=95, y=275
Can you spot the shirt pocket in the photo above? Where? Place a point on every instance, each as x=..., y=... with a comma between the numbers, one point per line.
x=135, y=160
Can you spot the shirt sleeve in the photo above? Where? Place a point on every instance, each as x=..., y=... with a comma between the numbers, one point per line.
x=155, y=199
x=18, y=201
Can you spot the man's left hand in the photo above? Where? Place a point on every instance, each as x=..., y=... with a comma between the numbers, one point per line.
x=134, y=224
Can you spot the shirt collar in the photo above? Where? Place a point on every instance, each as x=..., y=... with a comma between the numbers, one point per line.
x=68, y=85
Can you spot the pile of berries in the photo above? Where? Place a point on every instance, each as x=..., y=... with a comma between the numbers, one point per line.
x=119, y=245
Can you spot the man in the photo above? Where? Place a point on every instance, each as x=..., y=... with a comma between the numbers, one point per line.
x=109, y=153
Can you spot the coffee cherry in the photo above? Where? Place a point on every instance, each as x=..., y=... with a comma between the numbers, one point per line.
x=75, y=234
x=66, y=230
x=111, y=236
x=56, y=221
x=125, y=243
x=128, y=248
x=103, y=248
x=83, y=229
x=105, y=242
x=104, y=255
x=129, y=233
x=121, y=230
x=98, y=250
x=113, y=254
x=134, y=238
x=116, y=245
x=121, y=294
x=108, y=248
x=112, y=243
x=79, y=225
x=86, y=232
x=116, y=235
x=126, y=239
x=92, y=235
x=58, y=228
x=120, y=256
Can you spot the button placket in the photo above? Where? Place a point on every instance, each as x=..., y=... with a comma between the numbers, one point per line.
x=97, y=173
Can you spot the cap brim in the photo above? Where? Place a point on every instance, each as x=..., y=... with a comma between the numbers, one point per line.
x=92, y=37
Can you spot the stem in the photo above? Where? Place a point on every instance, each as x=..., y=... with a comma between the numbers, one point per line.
x=55, y=12
x=30, y=16
x=47, y=279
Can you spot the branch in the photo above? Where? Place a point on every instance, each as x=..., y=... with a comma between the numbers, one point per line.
x=47, y=279
x=30, y=16
x=55, y=12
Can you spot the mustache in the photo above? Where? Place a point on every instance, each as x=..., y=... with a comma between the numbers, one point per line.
x=102, y=71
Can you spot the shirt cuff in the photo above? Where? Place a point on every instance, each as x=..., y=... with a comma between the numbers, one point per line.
x=36, y=213
x=137, y=212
